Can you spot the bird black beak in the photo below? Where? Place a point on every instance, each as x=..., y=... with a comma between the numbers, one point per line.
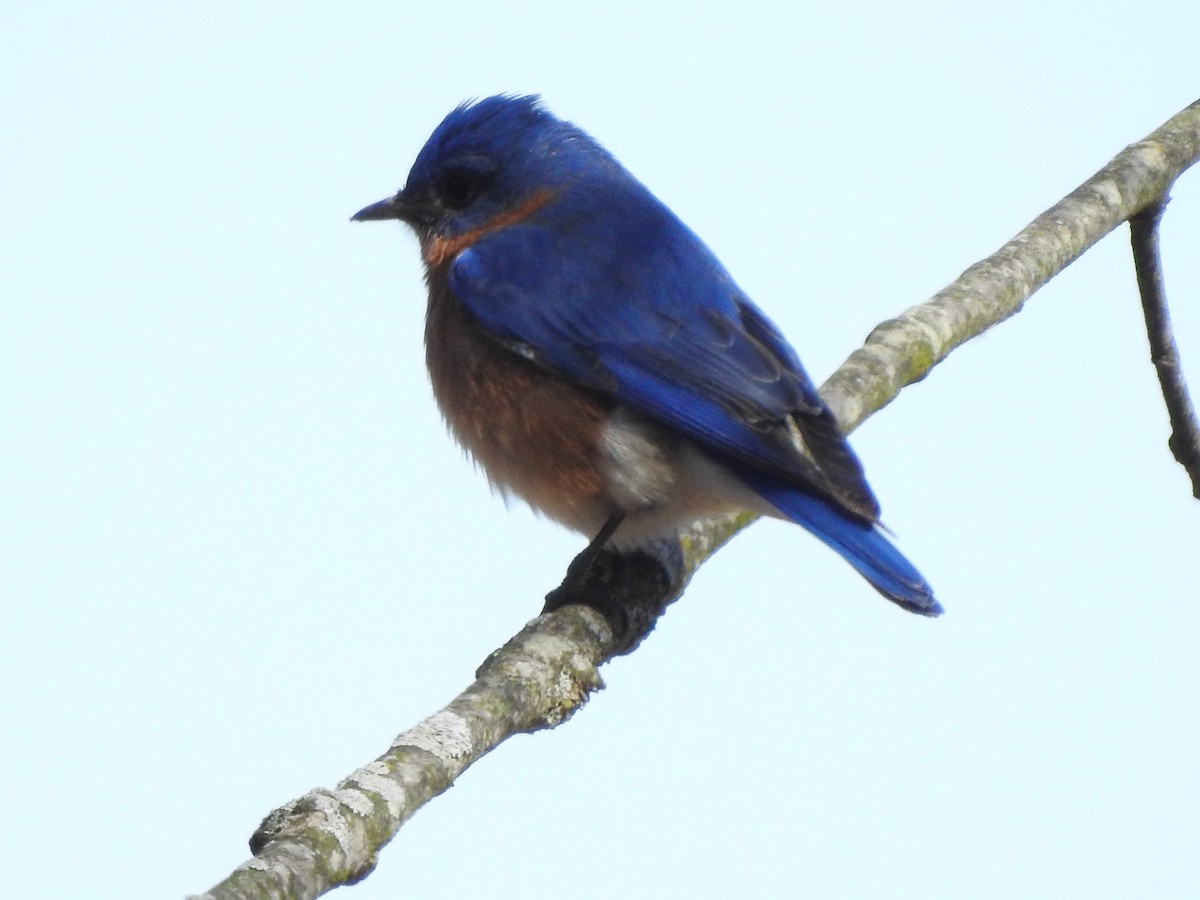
x=414, y=211
x=391, y=208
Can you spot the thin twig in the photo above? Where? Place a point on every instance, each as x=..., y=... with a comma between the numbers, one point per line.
x=1164, y=353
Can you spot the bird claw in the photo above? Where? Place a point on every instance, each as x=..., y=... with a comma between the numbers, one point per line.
x=575, y=590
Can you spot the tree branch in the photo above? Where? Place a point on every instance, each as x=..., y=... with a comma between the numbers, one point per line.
x=1185, y=433
x=904, y=349
x=543, y=675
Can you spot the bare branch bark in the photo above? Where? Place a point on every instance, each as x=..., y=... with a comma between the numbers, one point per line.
x=1147, y=260
x=543, y=675
x=904, y=349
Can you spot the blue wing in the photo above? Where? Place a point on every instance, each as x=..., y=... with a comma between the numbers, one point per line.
x=630, y=303
x=634, y=305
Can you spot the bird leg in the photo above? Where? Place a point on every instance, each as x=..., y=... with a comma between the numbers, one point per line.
x=575, y=587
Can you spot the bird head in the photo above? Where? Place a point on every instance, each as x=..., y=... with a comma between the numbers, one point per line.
x=486, y=161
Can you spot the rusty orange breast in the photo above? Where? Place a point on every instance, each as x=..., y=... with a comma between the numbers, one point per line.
x=533, y=433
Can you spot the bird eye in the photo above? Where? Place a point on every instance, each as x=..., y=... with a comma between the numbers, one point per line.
x=459, y=187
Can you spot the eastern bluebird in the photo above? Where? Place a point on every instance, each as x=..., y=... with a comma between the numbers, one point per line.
x=598, y=361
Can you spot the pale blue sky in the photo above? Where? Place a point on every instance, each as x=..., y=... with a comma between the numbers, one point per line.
x=239, y=553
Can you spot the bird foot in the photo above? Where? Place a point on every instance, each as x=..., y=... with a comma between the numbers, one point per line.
x=577, y=588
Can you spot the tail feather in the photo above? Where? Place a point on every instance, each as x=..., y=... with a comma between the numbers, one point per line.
x=861, y=544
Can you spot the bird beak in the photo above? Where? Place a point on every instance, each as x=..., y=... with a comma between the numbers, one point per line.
x=414, y=211
x=391, y=208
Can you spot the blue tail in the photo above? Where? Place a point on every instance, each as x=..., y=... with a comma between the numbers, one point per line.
x=863, y=546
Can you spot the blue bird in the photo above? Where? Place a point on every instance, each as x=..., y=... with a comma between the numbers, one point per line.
x=596, y=359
